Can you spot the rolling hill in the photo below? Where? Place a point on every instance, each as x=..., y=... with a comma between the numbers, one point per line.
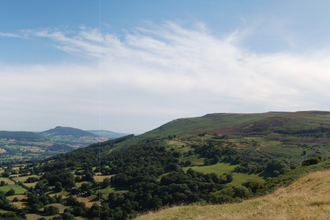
x=72, y=136
x=290, y=123
x=216, y=158
x=22, y=145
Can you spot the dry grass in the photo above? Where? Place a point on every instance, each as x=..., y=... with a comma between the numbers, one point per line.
x=89, y=201
x=99, y=177
x=19, y=197
x=307, y=198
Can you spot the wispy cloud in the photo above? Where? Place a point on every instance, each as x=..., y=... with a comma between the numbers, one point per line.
x=11, y=35
x=166, y=70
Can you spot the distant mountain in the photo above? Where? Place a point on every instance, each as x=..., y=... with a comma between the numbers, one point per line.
x=24, y=145
x=21, y=136
x=72, y=136
x=108, y=134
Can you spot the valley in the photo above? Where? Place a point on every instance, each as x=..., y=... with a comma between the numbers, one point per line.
x=197, y=162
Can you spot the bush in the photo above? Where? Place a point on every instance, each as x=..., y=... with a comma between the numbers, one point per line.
x=311, y=161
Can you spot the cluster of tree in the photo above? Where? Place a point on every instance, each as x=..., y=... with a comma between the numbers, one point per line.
x=277, y=167
x=31, y=179
x=60, y=147
x=250, y=167
x=214, y=154
x=312, y=161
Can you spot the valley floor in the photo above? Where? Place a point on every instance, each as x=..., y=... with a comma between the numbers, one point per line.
x=307, y=198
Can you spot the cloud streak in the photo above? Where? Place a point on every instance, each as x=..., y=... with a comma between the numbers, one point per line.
x=164, y=72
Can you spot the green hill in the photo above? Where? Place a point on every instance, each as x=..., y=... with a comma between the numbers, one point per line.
x=72, y=136
x=21, y=136
x=216, y=158
x=292, y=123
x=67, y=131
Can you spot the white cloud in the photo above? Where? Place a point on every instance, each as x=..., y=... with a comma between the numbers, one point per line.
x=166, y=71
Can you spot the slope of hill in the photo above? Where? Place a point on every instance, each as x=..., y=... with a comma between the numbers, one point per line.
x=21, y=136
x=307, y=198
x=217, y=158
x=291, y=123
x=72, y=136
x=107, y=134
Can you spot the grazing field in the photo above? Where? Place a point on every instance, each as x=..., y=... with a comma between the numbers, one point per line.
x=18, y=189
x=219, y=168
x=36, y=217
x=19, y=197
x=7, y=181
x=24, y=178
x=106, y=191
x=100, y=178
x=20, y=204
x=89, y=201
x=239, y=178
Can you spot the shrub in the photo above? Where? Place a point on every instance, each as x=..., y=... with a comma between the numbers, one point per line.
x=311, y=161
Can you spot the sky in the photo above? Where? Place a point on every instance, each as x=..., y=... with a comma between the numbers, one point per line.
x=131, y=66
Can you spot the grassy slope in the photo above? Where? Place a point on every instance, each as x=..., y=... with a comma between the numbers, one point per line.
x=225, y=123
x=307, y=198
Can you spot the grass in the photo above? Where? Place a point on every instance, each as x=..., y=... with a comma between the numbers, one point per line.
x=221, y=168
x=218, y=168
x=307, y=198
x=19, y=197
x=240, y=178
x=18, y=189
x=108, y=190
x=24, y=178
x=101, y=177
x=89, y=201
x=8, y=181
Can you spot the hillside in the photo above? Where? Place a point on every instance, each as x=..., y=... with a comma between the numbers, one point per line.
x=216, y=158
x=72, y=136
x=22, y=145
x=306, y=198
x=291, y=123
x=107, y=134
x=21, y=136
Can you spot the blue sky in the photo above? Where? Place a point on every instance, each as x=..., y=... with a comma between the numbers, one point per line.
x=130, y=66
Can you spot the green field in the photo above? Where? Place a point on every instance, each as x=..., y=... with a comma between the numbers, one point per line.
x=8, y=181
x=18, y=189
x=24, y=178
x=106, y=191
x=219, y=168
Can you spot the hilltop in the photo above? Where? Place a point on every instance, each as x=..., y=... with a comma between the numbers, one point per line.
x=291, y=123
x=72, y=136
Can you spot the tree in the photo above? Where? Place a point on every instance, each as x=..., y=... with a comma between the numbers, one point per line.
x=106, y=182
x=51, y=210
x=58, y=186
x=10, y=192
x=311, y=161
x=229, y=177
x=3, y=183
